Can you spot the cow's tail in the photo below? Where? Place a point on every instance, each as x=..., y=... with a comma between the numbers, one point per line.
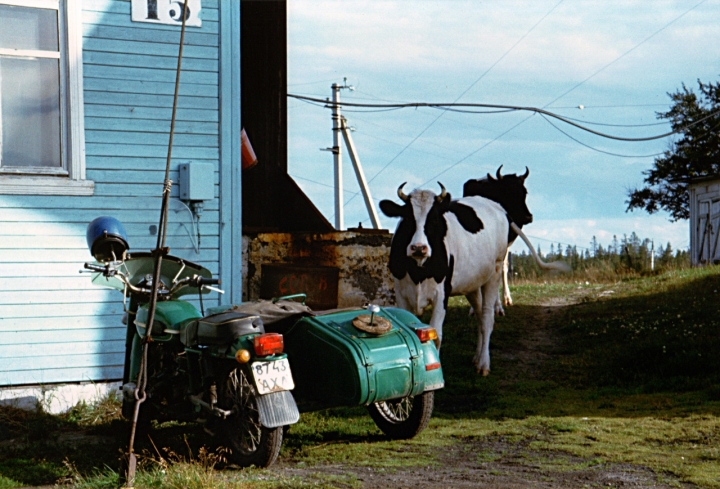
x=554, y=265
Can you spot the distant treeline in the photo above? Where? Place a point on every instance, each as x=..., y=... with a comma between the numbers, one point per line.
x=627, y=255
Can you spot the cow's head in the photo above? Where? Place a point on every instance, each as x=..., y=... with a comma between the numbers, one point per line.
x=507, y=190
x=422, y=223
x=418, y=247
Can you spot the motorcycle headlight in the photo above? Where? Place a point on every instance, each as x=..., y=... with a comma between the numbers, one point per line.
x=106, y=239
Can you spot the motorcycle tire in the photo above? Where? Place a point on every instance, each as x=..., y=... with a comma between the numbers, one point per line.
x=403, y=418
x=250, y=442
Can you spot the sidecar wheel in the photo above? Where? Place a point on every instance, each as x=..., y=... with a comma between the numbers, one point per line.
x=403, y=418
x=250, y=442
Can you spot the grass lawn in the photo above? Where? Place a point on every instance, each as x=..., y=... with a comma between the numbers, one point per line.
x=585, y=377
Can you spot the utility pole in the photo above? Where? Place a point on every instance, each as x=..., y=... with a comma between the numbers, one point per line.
x=340, y=125
x=337, y=155
x=652, y=256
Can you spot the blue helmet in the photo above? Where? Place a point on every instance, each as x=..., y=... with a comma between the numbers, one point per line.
x=106, y=239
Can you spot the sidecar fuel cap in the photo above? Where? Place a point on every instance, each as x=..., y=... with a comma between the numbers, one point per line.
x=106, y=239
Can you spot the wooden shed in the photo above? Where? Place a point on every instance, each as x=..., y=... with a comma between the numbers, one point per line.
x=704, y=220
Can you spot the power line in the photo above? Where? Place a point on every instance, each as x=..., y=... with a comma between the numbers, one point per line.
x=512, y=108
x=630, y=50
x=608, y=106
x=461, y=95
x=596, y=149
x=616, y=125
x=573, y=88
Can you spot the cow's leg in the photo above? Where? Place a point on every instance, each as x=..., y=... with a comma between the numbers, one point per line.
x=499, y=311
x=438, y=314
x=507, y=300
x=475, y=299
x=403, y=302
x=484, y=300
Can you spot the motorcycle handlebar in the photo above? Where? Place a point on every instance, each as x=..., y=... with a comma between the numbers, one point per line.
x=210, y=281
x=199, y=281
x=94, y=268
x=194, y=281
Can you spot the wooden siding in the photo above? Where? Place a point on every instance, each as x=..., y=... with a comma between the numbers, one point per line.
x=54, y=325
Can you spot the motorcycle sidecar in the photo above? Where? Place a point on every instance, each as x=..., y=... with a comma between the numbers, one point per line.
x=336, y=364
x=394, y=373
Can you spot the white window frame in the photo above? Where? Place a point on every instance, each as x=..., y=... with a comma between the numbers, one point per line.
x=72, y=111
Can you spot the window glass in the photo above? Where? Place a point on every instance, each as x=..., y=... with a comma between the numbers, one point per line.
x=28, y=28
x=30, y=109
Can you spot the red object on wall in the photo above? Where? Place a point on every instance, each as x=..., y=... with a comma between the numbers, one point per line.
x=248, y=155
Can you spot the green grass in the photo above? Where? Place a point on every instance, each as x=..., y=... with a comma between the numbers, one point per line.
x=629, y=373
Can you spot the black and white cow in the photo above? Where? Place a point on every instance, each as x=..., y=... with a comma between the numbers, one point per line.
x=509, y=191
x=444, y=247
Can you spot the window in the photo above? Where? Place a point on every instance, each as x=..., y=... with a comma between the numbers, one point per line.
x=41, y=107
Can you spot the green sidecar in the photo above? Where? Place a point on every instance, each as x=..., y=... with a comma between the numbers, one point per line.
x=335, y=363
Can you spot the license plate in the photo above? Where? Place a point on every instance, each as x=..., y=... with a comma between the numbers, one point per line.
x=272, y=376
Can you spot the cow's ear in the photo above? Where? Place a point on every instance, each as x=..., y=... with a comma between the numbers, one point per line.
x=445, y=203
x=467, y=217
x=391, y=209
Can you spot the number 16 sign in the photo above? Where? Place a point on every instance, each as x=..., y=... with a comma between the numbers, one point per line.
x=166, y=12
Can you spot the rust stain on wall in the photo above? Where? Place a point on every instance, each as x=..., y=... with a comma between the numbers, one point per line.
x=360, y=257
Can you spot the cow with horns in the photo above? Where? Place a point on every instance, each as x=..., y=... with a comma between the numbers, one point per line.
x=509, y=191
x=444, y=247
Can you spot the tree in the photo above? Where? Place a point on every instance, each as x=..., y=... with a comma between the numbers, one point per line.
x=696, y=153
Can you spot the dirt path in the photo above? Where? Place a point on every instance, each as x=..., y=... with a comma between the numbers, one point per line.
x=498, y=463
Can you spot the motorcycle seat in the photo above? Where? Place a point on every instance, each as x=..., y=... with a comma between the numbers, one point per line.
x=221, y=329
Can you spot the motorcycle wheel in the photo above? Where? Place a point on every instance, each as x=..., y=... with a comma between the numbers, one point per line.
x=403, y=418
x=250, y=442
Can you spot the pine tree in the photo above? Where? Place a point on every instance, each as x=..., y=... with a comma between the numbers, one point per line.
x=695, y=153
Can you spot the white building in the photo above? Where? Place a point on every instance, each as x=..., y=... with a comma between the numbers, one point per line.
x=704, y=220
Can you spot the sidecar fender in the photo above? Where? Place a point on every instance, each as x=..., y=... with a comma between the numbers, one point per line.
x=277, y=409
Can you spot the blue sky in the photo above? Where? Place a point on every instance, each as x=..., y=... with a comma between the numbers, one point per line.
x=618, y=59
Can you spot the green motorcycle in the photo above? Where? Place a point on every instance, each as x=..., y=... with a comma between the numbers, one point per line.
x=249, y=369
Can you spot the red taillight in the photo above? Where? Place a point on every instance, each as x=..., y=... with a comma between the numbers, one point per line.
x=432, y=366
x=268, y=344
x=426, y=334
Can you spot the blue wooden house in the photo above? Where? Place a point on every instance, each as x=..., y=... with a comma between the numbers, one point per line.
x=86, y=94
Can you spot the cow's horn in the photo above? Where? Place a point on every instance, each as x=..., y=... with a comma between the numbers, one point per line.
x=527, y=173
x=401, y=194
x=443, y=193
x=499, y=177
x=490, y=177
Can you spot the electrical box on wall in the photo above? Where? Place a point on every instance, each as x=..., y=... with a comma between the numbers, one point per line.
x=197, y=181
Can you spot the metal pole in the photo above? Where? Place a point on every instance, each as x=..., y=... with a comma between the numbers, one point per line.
x=369, y=204
x=158, y=252
x=652, y=256
x=337, y=159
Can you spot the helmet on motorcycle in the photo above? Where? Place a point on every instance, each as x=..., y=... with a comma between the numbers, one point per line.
x=106, y=239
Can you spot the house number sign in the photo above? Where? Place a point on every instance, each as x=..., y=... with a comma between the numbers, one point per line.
x=166, y=12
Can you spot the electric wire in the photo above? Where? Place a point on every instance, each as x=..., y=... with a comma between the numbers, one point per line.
x=616, y=125
x=535, y=110
x=596, y=149
x=629, y=50
x=462, y=94
x=577, y=85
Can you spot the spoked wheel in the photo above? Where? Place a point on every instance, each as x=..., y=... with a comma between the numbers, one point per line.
x=403, y=418
x=250, y=442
